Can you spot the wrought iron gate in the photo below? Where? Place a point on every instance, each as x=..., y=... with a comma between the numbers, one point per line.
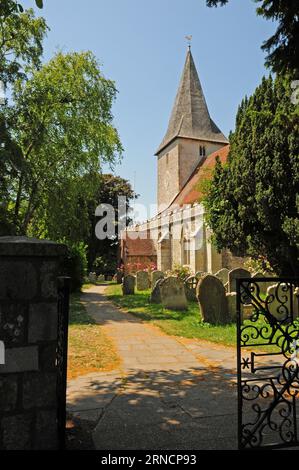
x=61, y=355
x=268, y=362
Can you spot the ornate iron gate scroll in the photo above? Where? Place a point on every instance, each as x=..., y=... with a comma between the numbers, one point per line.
x=61, y=355
x=268, y=362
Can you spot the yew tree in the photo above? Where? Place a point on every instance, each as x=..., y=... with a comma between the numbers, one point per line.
x=253, y=200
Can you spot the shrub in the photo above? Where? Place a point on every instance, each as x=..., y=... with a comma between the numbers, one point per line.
x=75, y=264
x=179, y=271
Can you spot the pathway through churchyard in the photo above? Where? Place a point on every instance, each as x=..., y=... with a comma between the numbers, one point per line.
x=169, y=393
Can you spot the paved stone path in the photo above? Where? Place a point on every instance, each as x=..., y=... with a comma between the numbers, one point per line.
x=170, y=392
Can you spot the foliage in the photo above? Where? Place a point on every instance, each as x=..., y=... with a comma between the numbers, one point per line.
x=62, y=121
x=283, y=47
x=105, y=264
x=132, y=268
x=179, y=271
x=21, y=37
x=259, y=264
x=252, y=205
x=107, y=189
x=75, y=264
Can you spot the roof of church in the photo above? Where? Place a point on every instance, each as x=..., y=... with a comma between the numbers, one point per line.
x=190, y=116
x=191, y=191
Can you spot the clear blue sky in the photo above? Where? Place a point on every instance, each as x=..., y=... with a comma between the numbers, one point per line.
x=141, y=46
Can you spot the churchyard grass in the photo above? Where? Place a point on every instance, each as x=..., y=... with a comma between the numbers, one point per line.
x=186, y=324
x=89, y=349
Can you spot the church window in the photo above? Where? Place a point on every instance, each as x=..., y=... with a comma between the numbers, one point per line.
x=202, y=151
x=167, y=158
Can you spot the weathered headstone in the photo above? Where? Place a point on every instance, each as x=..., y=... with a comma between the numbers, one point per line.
x=142, y=280
x=190, y=288
x=119, y=277
x=128, y=284
x=173, y=293
x=212, y=299
x=222, y=274
x=92, y=277
x=262, y=285
x=155, y=275
x=235, y=274
x=278, y=301
x=156, y=293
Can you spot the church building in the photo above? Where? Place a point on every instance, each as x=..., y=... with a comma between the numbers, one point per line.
x=178, y=235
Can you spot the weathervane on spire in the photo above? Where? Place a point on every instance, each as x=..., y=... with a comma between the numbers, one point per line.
x=189, y=39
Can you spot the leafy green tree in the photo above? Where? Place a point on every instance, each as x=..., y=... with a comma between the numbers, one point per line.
x=108, y=189
x=252, y=202
x=283, y=47
x=21, y=38
x=62, y=121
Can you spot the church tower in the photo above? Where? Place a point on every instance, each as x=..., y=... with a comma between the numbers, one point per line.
x=191, y=136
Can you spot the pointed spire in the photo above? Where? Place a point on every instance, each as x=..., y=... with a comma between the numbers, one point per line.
x=190, y=116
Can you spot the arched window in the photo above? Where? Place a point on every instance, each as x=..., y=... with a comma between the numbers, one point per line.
x=202, y=151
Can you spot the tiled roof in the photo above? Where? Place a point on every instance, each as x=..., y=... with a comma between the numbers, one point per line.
x=190, y=193
x=190, y=116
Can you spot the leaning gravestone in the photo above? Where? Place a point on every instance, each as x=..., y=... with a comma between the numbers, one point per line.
x=211, y=297
x=142, y=280
x=128, y=284
x=156, y=293
x=190, y=288
x=173, y=293
x=235, y=274
x=155, y=275
x=222, y=274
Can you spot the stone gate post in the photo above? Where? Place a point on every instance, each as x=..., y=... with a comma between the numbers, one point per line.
x=28, y=329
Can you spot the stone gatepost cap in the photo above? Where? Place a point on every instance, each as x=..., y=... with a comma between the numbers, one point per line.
x=26, y=246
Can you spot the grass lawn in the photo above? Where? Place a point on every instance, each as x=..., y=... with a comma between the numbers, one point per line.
x=188, y=323
x=89, y=348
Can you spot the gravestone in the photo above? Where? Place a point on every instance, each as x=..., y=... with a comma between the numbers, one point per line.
x=142, y=280
x=222, y=274
x=231, y=298
x=128, y=284
x=278, y=301
x=235, y=274
x=101, y=278
x=156, y=293
x=119, y=277
x=173, y=293
x=92, y=277
x=212, y=299
x=155, y=275
x=190, y=288
x=262, y=285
